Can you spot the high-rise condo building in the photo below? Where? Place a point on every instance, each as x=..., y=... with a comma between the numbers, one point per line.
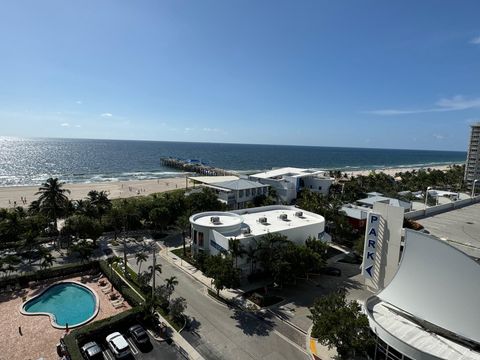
x=472, y=167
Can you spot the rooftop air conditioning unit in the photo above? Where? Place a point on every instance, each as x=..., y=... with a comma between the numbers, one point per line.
x=246, y=231
x=283, y=217
x=262, y=220
x=215, y=219
x=299, y=213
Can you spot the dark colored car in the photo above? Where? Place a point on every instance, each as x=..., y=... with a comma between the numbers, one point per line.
x=138, y=334
x=91, y=351
x=329, y=270
x=108, y=251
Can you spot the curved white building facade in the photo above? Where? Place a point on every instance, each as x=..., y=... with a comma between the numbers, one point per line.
x=430, y=309
x=211, y=230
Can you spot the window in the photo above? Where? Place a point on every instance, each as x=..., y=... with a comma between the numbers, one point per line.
x=254, y=192
x=200, y=238
x=195, y=237
x=247, y=192
x=240, y=193
x=319, y=188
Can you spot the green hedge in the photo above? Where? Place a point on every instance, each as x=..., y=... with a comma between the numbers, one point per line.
x=53, y=272
x=98, y=330
x=128, y=294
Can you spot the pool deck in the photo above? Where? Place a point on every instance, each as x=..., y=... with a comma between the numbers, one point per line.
x=38, y=338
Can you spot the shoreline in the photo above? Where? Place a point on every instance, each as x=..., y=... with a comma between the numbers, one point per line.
x=394, y=170
x=11, y=196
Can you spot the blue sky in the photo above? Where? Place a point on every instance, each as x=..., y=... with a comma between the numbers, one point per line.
x=312, y=72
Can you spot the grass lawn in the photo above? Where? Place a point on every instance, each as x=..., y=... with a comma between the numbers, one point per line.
x=179, y=253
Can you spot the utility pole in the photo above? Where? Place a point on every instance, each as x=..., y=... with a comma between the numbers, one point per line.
x=154, y=272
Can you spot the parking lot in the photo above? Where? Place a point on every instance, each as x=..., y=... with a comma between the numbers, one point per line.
x=150, y=351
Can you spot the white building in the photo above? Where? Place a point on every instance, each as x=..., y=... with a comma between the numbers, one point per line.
x=211, y=231
x=289, y=181
x=429, y=310
x=427, y=292
x=236, y=193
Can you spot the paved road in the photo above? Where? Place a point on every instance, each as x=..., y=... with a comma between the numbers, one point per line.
x=219, y=332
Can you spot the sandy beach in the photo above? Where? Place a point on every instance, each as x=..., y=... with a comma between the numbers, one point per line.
x=393, y=171
x=9, y=196
x=12, y=195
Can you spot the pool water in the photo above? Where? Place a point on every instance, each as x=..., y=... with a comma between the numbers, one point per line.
x=69, y=303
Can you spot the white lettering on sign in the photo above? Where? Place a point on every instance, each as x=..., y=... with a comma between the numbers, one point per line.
x=370, y=249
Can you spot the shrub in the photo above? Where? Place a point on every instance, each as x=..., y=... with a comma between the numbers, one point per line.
x=128, y=294
x=99, y=330
x=57, y=271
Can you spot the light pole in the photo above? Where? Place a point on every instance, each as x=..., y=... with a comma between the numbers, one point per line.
x=426, y=197
x=473, y=187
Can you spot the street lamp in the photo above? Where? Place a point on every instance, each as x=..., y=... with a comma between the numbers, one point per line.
x=426, y=197
x=473, y=187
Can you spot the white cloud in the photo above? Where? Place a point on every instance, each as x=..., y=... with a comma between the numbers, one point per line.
x=78, y=126
x=475, y=41
x=65, y=124
x=187, y=129
x=438, y=136
x=455, y=103
x=79, y=102
x=211, y=129
x=106, y=115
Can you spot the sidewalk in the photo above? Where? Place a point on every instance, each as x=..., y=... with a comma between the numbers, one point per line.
x=178, y=339
x=234, y=295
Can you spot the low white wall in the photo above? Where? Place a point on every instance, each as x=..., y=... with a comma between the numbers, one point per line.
x=433, y=210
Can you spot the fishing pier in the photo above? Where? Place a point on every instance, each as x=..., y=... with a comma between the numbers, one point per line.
x=194, y=166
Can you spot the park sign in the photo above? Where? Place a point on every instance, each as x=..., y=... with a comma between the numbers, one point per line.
x=370, y=249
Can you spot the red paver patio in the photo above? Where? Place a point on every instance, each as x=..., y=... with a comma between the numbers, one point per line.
x=38, y=338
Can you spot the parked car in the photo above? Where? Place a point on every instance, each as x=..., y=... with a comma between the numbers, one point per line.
x=119, y=346
x=329, y=270
x=91, y=351
x=138, y=334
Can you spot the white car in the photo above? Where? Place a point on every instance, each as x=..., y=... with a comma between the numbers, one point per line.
x=119, y=346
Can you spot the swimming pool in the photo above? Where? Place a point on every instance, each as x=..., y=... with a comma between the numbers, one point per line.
x=69, y=303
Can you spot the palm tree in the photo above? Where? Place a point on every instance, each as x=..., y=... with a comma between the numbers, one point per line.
x=47, y=261
x=52, y=198
x=171, y=282
x=236, y=249
x=251, y=253
x=153, y=270
x=100, y=201
x=183, y=224
x=141, y=257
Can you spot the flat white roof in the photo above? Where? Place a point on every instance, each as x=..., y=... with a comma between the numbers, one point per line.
x=249, y=218
x=213, y=179
x=274, y=223
x=225, y=219
x=288, y=171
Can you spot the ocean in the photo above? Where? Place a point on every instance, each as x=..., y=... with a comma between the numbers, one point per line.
x=31, y=161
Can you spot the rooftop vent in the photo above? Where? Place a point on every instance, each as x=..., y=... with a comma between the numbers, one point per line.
x=262, y=220
x=215, y=220
x=299, y=213
x=283, y=217
x=246, y=231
